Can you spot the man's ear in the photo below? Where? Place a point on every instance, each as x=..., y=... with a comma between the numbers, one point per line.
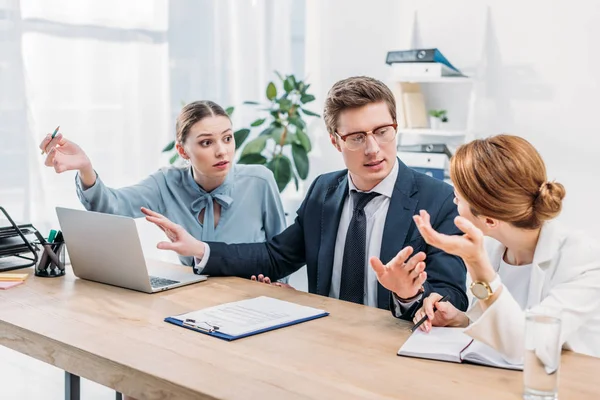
x=334, y=141
x=181, y=151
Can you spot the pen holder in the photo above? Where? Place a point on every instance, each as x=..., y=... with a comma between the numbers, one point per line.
x=52, y=261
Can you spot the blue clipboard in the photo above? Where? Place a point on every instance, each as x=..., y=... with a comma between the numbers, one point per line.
x=227, y=337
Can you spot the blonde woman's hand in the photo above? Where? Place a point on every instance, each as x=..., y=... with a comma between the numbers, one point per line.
x=65, y=155
x=265, y=279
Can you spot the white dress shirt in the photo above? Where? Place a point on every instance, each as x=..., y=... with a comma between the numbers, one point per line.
x=375, y=212
x=516, y=279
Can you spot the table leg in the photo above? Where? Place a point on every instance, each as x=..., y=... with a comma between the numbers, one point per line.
x=72, y=387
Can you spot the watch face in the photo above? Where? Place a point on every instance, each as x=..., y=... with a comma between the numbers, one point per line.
x=480, y=291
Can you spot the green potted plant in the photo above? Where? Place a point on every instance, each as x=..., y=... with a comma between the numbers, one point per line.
x=436, y=118
x=282, y=128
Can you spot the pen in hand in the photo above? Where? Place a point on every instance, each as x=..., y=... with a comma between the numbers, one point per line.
x=53, y=136
x=418, y=324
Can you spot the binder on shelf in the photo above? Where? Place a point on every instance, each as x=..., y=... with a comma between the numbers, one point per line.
x=410, y=111
x=422, y=70
x=415, y=112
x=418, y=56
x=432, y=164
x=426, y=148
x=421, y=63
x=239, y=319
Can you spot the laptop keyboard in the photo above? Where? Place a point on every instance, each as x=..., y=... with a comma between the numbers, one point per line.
x=157, y=282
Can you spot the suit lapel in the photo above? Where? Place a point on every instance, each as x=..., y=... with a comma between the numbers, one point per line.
x=331, y=213
x=397, y=223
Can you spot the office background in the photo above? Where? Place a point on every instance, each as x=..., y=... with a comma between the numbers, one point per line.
x=114, y=74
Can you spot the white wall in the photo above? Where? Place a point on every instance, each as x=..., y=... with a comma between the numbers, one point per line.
x=535, y=62
x=344, y=38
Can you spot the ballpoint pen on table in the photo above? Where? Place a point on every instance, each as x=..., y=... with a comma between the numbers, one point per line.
x=418, y=324
x=52, y=137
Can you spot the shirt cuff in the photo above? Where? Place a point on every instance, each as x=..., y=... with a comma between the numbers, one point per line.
x=400, y=307
x=200, y=263
x=86, y=195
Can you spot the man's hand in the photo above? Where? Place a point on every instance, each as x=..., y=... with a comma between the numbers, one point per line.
x=404, y=278
x=265, y=279
x=181, y=241
x=445, y=315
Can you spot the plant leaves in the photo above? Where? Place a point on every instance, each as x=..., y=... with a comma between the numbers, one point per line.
x=296, y=181
x=293, y=79
x=288, y=84
x=276, y=133
x=279, y=75
x=282, y=170
x=169, y=147
x=303, y=140
x=285, y=105
x=253, y=158
x=258, y=122
x=271, y=91
x=173, y=158
x=255, y=146
x=307, y=98
x=307, y=112
x=229, y=110
x=300, y=160
x=297, y=121
x=252, y=103
x=304, y=89
x=240, y=136
x=267, y=132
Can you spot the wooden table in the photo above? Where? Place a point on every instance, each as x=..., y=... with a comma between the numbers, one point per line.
x=117, y=337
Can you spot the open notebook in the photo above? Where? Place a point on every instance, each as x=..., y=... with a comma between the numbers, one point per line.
x=451, y=344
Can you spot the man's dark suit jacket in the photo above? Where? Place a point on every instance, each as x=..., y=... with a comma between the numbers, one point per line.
x=311, y=239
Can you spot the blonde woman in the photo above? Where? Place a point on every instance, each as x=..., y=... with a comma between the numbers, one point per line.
x=526, y=259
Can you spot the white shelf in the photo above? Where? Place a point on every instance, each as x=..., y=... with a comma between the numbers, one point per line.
x=432, y=132
x=426, y=79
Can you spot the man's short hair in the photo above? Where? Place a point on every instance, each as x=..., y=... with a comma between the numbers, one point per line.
x=355, y=92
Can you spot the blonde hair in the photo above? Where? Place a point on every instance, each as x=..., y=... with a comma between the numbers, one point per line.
x=355, y=92
x=504, y=177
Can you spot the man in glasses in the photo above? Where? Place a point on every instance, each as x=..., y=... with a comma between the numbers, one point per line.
x=354, y=230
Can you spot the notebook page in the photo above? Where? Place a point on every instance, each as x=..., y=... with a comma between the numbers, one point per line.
x=480, y=353
x=443, y=344
x=246, y=316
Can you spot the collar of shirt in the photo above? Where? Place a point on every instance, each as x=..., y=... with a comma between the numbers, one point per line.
x=225, y=188
x=385, y=187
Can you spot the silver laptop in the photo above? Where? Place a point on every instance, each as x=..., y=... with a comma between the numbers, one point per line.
x=106, y=248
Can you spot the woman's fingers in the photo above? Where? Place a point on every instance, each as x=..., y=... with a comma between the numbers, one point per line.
x=151, y=213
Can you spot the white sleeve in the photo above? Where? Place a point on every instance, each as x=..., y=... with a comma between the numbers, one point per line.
x=200, y=263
